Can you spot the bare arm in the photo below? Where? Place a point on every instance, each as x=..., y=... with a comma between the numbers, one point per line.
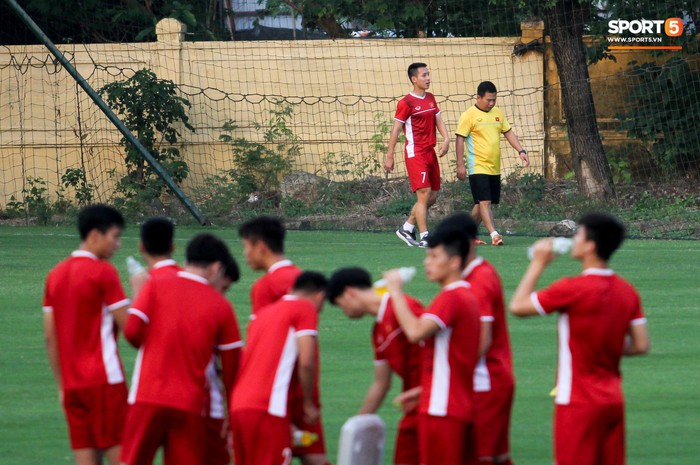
x=120, y=315
x=306, y=367
x=512, y=139
x=393, y=138
x=378, y=389
x=416, y=329
x=459, y=149
x=442, y=129
x=52, y=348
x=521, y=304
x=637, y=341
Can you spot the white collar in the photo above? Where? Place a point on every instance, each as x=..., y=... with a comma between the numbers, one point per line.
x=473, y=264
x=289, y=297
x=418, y=96
x=597, y=272
x=84, y=254
x=277, y=265
x=456, y=284
x=193, y=277
x=163, y=263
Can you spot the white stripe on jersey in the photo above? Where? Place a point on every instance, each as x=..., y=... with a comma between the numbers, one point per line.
x=564, y=372
x=135, y=377
x=216, y=399
x=280, y=386
x=440, y=385
x=482, y=377
x=110, y=356
x=410, y=142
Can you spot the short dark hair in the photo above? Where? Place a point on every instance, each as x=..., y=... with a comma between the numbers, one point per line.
x=486, y=87
x=413, y=69
x=205, y=249
x=100, y=217
x=605, y=230
x=310, y=282
x=157, y=235
x=461, y=220
x=455, y=241
x=344, y=278
x=268, y=229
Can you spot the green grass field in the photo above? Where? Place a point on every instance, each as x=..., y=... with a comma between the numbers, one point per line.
x=662, y=389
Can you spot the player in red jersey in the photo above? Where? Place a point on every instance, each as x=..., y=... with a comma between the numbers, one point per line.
x=449, y=330
x=419, y=116
x=156, y=247
x=600, y=320
x=280, y=337
x=82, y=301
x=351, y=290
x=263, y=248
x=494, y=381
x=176, y=321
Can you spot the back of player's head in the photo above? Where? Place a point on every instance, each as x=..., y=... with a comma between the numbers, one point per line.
x=206, y=249
x=454, y=240
x=605, y=230
x=463, y=221
x=413, y=70
x=157, y=236
x=344, y=278
x=100, y=217
x=310, y=282
x=486, y=87
x=267, y=229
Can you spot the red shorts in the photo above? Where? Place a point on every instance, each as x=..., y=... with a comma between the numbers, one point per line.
x=589, y=434
x=218, y=441
x=492, y=420
x=96, y=415
x=406, y=450
x=148, y=427
x=446, y=441
x=260, y=438
x=423, y=170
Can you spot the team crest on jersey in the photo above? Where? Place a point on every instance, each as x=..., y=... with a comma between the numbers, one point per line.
x=498, y=119
x=418, y=108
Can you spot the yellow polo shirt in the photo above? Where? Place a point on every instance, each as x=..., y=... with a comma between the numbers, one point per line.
x=482, y=131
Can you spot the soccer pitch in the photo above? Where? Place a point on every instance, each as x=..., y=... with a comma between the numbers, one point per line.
x=662, y=389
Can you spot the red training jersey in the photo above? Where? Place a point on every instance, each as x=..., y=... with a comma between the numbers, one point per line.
x=418, y=115
x=167, y=267
x=271, y=354
x=596, y=310
x=391, y=345
x=496, y=366
x=274, y=284
x=178, y=320
x=81, y=292
x=448, y=358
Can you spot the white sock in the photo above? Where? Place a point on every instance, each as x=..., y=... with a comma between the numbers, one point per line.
x=423, y=234
x=495, y=233
x=409, y=227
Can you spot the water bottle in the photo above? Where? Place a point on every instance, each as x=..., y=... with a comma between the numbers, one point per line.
x=405, y=272
x=302, y=438
x=133, y=266
x=560, y=246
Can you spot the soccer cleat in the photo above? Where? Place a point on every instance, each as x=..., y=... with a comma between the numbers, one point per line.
x=479, y=242
x=408, y=237
x=497, y=240
x=423, y=243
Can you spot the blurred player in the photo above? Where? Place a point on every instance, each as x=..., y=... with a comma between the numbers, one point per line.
x=419, y=117
x=479, y=129
x=82, y=301
x=156, y=247
x=494, y=381
x=263, y=248
x=176, y=321
x=600, y=320
x=281, y=336
x=351, y=290
x=449, y=330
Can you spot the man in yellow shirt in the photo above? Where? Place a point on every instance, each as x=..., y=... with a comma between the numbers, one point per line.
x=480, y=129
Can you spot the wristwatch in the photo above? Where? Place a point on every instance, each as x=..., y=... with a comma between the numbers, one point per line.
x=523, y=151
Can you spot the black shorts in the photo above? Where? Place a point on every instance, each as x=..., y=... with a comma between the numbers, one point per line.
x=485, y=187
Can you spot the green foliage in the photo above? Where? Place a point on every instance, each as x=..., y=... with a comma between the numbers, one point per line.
x=259, y=167
x=665, y=108
x=620, y=166
x=75, y=178
x=150, y=108
x=34, y=203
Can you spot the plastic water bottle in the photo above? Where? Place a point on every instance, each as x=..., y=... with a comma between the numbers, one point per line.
x=560, y=246
x=133, y=266
x=405, y=272
x=302, y=438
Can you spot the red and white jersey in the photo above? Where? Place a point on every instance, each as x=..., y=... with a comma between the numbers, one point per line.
x=271, y=353
x=81, y=292
x=496, y=366
x=167, y=267
x=418, y=115
x=391, y=345
x=448, y=359
x=596, y=310
x=273, y=285
x=179, y=320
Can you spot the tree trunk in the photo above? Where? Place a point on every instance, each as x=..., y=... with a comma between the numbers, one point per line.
x=565, y=22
